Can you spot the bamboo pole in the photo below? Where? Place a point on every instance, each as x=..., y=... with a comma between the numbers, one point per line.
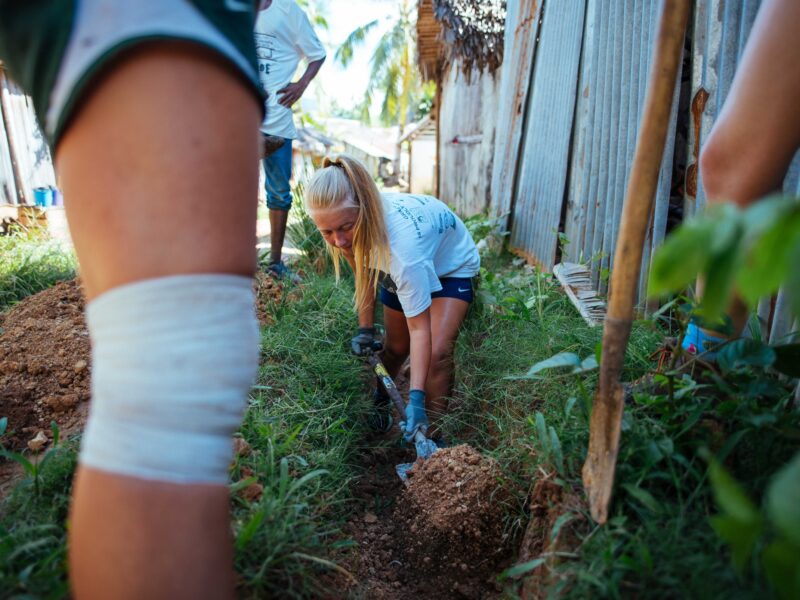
x=606, y=420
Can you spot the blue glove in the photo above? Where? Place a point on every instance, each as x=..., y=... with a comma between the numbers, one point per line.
x=416, y=417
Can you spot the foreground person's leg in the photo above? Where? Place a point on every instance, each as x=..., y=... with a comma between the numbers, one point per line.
x=159, y=173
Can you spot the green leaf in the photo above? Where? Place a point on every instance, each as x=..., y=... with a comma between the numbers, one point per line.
x=768, y=261
x=720, y=273
x=740, y=536
x=541, y=432
x=29, y=467
x=56, y=434
x=793, y=281
x=241, y=484
x=250, y=529
x=570, y=405
x=555, y=448
x=731, y=498
x=560, y=522
x=745, y=352
x=781, y=562
x=783, y=500
x=683, y=255
x=563, y=359
x=3, y=425
x=644, y=497
x=522, y=568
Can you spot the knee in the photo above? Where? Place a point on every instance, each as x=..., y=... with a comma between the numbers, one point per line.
x=395, y=350
x=717, y=170
x=442, y=357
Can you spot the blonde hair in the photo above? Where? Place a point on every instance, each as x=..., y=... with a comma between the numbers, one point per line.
x=343, y=182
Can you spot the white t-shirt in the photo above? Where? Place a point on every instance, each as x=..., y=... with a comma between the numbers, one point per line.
x=427, y=241
x=283, y=36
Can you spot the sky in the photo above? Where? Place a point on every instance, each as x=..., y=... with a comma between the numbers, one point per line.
x=347, y=86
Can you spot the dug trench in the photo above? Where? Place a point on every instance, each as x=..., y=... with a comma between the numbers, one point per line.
x=440, y=536
x=443, y=535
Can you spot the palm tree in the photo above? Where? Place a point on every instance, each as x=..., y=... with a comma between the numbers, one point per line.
x=393, y=72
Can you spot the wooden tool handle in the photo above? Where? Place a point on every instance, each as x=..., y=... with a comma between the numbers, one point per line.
x=605, y=425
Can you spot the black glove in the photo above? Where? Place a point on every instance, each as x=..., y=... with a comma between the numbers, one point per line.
x=365, y=342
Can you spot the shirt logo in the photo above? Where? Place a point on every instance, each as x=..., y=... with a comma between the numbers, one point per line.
x=460, y=291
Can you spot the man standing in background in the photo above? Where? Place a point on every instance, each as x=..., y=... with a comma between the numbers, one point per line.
x=283, y=36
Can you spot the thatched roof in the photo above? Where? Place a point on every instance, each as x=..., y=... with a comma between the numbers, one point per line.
x=470, y=31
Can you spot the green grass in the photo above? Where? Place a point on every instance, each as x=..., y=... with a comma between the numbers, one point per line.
x=30, y=263
x=305, y=427
x=304, y=423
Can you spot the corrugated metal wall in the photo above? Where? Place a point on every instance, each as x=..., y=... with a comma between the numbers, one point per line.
x=544, y=161
x=519, y=45
x=564, y=152
x=617, y=54
x=35, y=166
x=467, y=121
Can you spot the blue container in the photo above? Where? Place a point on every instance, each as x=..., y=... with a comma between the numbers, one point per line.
x=43, y=196
x=58, y=197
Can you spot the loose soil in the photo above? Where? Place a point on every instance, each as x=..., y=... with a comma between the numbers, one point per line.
x=45, y=369
x=45, y=363
x=439, y=536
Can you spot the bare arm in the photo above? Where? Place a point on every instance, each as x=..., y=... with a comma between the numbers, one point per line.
x=419, y=332
x=291, y=93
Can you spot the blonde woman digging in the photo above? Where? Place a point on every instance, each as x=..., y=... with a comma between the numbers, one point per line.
x=421, y=258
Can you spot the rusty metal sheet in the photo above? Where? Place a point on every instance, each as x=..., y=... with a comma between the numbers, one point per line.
x=544, y=162
x=522, y=26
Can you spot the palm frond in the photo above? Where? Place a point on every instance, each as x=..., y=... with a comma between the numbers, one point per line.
x=344, y=54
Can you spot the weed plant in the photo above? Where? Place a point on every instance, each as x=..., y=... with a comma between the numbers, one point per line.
x=33, y=549
x=31, y=263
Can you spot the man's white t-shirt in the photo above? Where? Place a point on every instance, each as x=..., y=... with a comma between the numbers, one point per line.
x=428, y=242
x=283, y=36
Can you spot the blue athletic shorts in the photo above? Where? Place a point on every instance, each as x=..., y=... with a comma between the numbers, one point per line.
x=452, y=287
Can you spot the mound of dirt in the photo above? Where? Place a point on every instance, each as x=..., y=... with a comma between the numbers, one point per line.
x=454, y=507
x=45, y=369
x=444, y=536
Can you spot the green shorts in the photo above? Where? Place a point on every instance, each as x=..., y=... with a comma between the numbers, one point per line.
x=54, y=48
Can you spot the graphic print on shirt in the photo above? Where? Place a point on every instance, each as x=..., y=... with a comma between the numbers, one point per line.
x=443, y=219
x=265, y=54
x=404, y=212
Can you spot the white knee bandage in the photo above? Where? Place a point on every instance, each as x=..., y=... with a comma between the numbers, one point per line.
x=173, y=360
